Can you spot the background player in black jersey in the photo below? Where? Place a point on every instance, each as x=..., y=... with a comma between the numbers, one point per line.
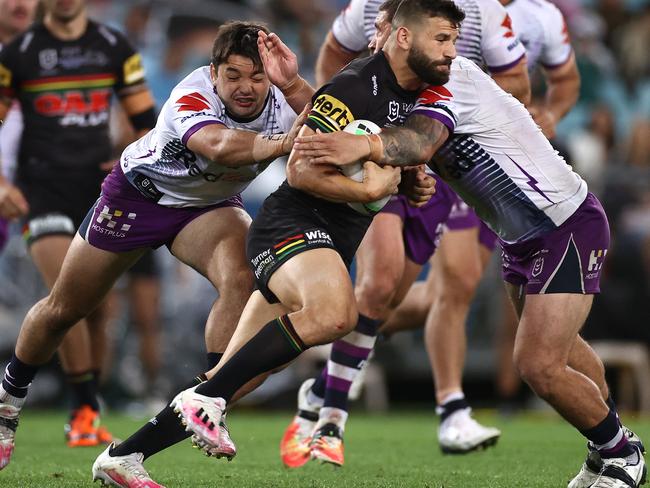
x=302, y=241
x=63, y=72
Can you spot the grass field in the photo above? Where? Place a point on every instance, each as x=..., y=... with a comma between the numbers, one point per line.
x=397, y=450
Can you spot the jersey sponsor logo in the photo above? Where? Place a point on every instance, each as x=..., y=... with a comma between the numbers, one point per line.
x=114, y=223
x=133, y=70
x=507, y=25
x=375, y=87
x=73, y=102
x=596, y=259
x=5, y=76
x=194, y=102
x=434, y=94
x=331, y=113
x=48, y=59
x=49, y=224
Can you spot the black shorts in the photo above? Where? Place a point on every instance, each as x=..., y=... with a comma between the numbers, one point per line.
x=290, y=222
x=58, y=206
x=145, y=267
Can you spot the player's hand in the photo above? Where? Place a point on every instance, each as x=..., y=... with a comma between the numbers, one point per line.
x=417, y=185
x=12, y=202
x=280, y=62
x=337, y=148
x=379, y=181
x=287, y=144
x=108, y=165
x=545, y=119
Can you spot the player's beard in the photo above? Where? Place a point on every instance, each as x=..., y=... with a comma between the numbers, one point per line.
x=426, y=69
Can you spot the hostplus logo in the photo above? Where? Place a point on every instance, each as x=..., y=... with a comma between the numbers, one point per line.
x=596, y=259
x=110, y=222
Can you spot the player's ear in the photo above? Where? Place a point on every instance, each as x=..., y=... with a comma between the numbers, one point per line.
x=213, y=73
x=404, y=38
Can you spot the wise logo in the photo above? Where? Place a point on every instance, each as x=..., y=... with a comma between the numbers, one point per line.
x=330, y=113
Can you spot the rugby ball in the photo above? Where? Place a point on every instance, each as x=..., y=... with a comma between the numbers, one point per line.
x=355, y=171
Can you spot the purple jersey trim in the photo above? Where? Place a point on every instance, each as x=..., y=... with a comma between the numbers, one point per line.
x=558, y=65
x=190, y=132
x=505, y=67
x=437, y=116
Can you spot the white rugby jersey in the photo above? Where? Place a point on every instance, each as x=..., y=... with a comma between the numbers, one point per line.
x=497, y=159
x=181, y=177
x=10, y=132
x=542, y=30
x=486, y=35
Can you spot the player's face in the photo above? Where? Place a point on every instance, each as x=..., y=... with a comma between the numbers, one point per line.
x=382, y=32
x=64, y=10
x=432, y=50
x=241, y=86
x=17, y=15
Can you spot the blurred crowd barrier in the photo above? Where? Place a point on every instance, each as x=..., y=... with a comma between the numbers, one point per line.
x=606, y=137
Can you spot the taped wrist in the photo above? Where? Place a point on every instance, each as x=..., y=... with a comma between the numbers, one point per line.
x=376, y=147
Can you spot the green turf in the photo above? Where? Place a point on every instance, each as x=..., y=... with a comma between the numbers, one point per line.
x=397, y=450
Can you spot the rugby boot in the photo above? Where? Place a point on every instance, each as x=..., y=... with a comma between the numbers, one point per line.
x=122, y=471
x=294, y=446
x=327, y=445
x=201, y=415
x=8, y=426
x=628, y=472
x=226, y=449
x=460, y=433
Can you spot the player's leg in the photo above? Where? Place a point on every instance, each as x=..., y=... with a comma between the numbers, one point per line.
x=86, y=276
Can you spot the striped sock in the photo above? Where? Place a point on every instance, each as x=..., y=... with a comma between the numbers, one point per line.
x=346, y=360
x=276, y=344
x=608, y=437
x=18, y=376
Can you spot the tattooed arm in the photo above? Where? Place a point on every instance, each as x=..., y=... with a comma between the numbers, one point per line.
x=411, y=144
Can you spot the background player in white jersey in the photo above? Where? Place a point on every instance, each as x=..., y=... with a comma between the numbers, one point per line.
x=384, y=275
x=553, y=232
x=177, y=186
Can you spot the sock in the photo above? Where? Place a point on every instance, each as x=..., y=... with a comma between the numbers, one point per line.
x=84, y=390
x=608, y=438
x=346, y=360
x=213, y=359
x=276, y=344
x=316, y=394
x=451, y=403
x=18, y=376
x=331, y=415
x=162, y=431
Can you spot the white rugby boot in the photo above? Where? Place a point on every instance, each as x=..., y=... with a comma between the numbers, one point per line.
x=122, y=471
x=460, y=433
x=201, y=415
x=628, y=472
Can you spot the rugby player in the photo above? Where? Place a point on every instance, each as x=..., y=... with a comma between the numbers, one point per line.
x=63, y=73
x=542, y=30
x=554, y=235
x=177, y=186
x=305, y=236
x=401, y=240
x=15, y=18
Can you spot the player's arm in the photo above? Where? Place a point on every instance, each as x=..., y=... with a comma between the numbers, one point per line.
x=281, y=67
x=331, y=58
x=327, y=182
x=515, y=81
x=235, y=147
x=562, y=91
x=139, y=107
x=416, y=141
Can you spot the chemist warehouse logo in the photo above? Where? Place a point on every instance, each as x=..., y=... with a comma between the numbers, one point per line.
x=330, y=114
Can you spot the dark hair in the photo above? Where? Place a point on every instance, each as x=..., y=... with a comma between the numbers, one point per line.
x=390, y=7
x=238, y=38
x=411, y=11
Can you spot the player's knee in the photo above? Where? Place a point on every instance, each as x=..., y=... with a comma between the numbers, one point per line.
x=332, y=322
x=460, y=283
x=238, y=281
x=539, y=374
x=55, y=314
x=375, y=296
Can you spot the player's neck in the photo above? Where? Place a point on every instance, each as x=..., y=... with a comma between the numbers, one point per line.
x=405, y=77
x=69, y=30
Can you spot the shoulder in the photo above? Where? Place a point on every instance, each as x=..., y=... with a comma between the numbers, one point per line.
x=196, y=90
x=21, y=43
x=108, y=34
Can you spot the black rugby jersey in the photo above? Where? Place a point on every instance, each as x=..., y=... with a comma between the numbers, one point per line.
x=64, y=89
x=365, y=89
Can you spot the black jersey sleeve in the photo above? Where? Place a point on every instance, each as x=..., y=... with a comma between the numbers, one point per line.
x=129, y=69
x=8, y=72
x=339, y=102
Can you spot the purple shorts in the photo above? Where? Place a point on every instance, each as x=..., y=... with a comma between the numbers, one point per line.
x=123, y=219
x=423, y=226
x=568, y=259
x=4, y=233
x=463, y=217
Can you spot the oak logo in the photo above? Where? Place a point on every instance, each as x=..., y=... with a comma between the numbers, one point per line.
x=334, y=112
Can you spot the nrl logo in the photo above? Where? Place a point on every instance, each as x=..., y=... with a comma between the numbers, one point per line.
x=48, y=58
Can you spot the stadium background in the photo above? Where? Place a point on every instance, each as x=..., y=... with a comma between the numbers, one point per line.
x=606, y=137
